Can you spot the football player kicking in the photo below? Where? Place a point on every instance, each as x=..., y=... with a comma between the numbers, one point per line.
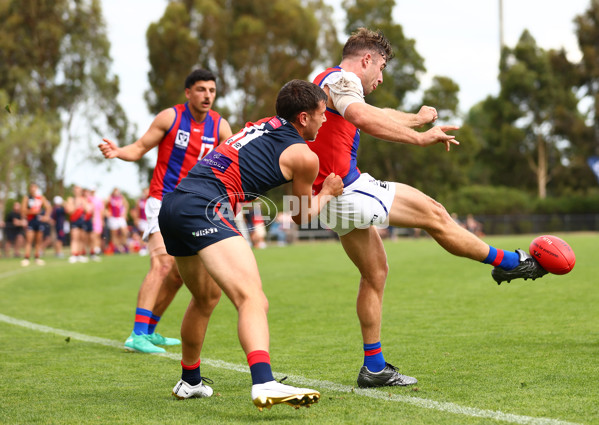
x=197, y=224
x=367, y=201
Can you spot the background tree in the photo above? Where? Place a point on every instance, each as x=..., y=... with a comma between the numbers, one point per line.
x=529, y=130
x=253, y=47
x=587, y=32
x=55, y=75
x=431, y=170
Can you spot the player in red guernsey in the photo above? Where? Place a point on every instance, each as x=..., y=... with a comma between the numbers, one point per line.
x=183, y=134
x=367, y=202
x=36, y=210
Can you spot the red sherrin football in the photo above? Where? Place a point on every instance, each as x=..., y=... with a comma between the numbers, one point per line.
x=553, y=254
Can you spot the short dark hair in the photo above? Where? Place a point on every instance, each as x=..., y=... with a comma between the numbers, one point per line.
x=198, y=75
x=364, y=39
x=298, y=96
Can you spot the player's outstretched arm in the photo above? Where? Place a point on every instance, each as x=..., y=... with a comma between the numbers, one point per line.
x=426, y=115
x=152, y=138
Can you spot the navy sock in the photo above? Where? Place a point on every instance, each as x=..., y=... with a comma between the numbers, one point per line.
x=373, y=357
x=259, y=362
x=507, y=260
x=191, y=374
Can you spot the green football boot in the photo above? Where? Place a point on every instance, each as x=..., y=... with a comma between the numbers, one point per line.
x=157, y=339
x=142, y=344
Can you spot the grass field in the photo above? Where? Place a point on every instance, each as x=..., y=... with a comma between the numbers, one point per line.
x=523, y=352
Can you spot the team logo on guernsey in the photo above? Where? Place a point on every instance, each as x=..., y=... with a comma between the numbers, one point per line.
x=217, y=160
x=182, y=139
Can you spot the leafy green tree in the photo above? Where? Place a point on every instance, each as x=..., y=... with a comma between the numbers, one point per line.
x=55, y=75
x=432, y=170
x=253, y=47
x=587, y=31
x=530, y=130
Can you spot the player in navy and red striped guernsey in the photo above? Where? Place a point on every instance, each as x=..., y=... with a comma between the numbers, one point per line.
x=184, y=134
x=196, y=221
x=36, y=210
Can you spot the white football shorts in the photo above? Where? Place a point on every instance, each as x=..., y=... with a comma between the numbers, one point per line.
x=364, y=203
x=116, y=223
x=152, y=209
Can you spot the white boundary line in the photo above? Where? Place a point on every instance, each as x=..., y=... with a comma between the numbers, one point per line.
x=332, y=386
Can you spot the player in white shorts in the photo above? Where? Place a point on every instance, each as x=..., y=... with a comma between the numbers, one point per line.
x=152, y=209
x=364, y=203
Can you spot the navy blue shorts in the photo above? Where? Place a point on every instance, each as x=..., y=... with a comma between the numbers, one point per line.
x=87, y=226
x=78, y=224
x=189, y=222
x=36, y=224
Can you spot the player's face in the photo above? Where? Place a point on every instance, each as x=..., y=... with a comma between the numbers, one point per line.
x=315, y=120
x=201, y=95
x=373, y=74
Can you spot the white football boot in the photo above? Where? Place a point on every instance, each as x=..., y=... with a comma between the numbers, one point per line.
x=183, y=390
x=273, y=392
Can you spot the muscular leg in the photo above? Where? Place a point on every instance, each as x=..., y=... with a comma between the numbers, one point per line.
x=365, y=248
x=29, y=235
x=162, y=280
x=412, y=208
x=233, y=266
x=168, y=289
x=197, y=316
x=38, y=244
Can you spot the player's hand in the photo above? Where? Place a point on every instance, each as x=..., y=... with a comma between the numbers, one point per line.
x=109, y=149
x=333, y=185
x=438, y=134
x=427, y=114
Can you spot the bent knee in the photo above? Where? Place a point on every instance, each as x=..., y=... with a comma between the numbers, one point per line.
x=376, y=276
x=164, y=265
x=439, y=218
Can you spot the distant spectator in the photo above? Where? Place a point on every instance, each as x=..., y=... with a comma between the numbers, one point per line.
x=117, y=208
x=140, y=221
x=256, y=226
x=97, y=224
x=474, y=226
x=283, y=228
x=76, y=207
x=88, y=225
x=14, y=231
x=456, y=218
x=36, y=209
x=59, y=216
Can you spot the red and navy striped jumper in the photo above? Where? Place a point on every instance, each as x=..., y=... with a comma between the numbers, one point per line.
x=246, y=165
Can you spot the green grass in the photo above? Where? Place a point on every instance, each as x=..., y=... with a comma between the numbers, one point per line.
x=523, y=348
